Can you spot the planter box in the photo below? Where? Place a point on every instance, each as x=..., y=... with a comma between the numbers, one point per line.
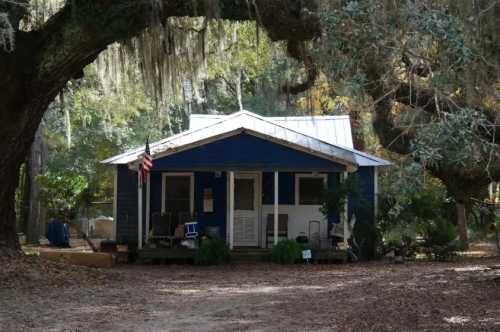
x=92, y=259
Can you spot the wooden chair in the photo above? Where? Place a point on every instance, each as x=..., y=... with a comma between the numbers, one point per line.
x=282, y=227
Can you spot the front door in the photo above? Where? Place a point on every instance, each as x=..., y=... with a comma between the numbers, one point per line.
x=246, y=210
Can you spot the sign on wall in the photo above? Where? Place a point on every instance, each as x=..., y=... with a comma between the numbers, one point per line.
x=208, y=200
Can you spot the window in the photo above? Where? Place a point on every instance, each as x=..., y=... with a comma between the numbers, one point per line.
x=178, y=189
x=244, y=194
x=309, y=188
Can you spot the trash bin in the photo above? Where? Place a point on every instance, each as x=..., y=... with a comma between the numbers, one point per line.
x=58, y=233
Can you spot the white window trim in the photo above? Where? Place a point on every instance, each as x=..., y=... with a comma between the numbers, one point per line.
x=164, y=185
x=307, y=175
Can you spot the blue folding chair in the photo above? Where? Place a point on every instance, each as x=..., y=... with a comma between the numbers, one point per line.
x=191, y=230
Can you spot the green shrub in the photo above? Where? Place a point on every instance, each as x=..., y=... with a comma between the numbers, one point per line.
x=366, y=238
x=213, y=252
x=402, y=239
x=286, y=252
x=439, y=239
x=438, y=232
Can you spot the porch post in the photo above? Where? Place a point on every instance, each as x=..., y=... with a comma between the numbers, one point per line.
x=139, y=203
x=115, y=201
x=346, y=215
x=148, y=195
x=375, y=192
x=276, y=202
x=231, y=210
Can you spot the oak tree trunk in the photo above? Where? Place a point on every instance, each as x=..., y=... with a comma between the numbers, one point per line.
x=35, y=169
x=8, y=234
x=45, y=59
x=17, y=133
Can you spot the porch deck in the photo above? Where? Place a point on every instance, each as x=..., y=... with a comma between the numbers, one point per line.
x=238, y=255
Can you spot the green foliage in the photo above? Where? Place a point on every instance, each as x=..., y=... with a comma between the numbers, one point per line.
x=103, y=123
x=479, y=221
x=358, y=32
x=213, y=252
x=334, y=197
x=286, y=252
x=62, y=193
x=367, y=237
x=439, y=239
x=111, y=111
x=414, y=205
x=409, y=197
x=438, y=232
x=436, y=64
x=455, y=143
x=402, y=238
x=246, y=50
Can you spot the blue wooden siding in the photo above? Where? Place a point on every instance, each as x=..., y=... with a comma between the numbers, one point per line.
x=363, y=207
x=203, y=180
x=127, y=197
x=126, y=205
x=155, y=194
x=333, y=181
x=244, y=152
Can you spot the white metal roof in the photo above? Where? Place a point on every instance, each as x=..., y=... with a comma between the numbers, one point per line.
x=216, y=127
x=335, y=129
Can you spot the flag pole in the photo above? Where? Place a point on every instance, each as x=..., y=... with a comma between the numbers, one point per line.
x=143, y=177
x=148, y=207
x=139, y=204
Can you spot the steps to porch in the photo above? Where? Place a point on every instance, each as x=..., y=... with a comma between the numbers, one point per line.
x=238, y=255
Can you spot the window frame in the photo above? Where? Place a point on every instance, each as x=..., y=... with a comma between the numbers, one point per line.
x=323, y=176
x=254, y=192
x=164, y=187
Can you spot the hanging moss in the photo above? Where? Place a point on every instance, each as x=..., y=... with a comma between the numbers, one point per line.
x=7, y=41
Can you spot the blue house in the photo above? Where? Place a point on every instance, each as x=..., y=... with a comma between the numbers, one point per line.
x=249, y=179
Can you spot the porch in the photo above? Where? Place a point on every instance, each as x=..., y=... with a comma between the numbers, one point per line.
x=247, y=209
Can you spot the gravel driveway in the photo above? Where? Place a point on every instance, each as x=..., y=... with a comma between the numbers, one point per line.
x=350, y=297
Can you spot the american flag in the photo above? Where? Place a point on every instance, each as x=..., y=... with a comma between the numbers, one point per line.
x=146, y=165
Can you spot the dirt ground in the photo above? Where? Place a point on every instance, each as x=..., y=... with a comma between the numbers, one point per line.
x=422, y=296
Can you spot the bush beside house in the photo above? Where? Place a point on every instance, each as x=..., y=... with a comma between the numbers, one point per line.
x=286, y=252
x=213, y=252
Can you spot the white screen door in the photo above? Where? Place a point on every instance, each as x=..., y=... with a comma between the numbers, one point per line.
x=246, y=210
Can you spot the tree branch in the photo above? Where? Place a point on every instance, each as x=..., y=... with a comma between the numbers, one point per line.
x=75, y=36
x=297, y=50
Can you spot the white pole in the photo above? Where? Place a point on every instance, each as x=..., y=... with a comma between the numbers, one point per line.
x=276, y=202
x=375, y=192
x=148, y=202
x=139, y=219
x=346, y=216
x=115, y=202
x=231, y=210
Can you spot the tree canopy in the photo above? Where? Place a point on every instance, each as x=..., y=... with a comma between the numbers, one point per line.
x=425, y=73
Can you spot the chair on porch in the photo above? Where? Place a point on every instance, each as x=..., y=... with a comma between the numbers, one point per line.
x=282, y=227
x=163, y=229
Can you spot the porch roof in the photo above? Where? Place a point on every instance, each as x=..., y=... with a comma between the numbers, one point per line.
x=256, y=125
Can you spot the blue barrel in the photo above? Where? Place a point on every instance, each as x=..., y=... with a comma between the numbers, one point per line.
x=58, y=233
